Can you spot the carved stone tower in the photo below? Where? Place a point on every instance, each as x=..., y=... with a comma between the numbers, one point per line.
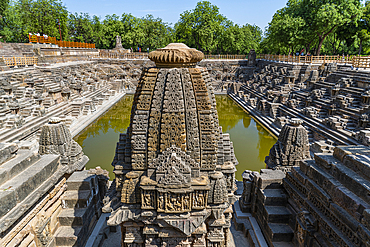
x=291, y=147
x=175, y=170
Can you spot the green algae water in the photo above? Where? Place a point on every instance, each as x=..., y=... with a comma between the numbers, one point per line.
x=251, y=141
x=99, y=139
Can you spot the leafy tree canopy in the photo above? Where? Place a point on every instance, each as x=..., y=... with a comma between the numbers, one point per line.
x=312, y=24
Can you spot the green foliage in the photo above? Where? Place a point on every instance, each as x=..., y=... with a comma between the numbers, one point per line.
x=306, y=24
x=3, y=6
x=203, y=28
x=81, y=28
x=29, y=16
x=207, y=30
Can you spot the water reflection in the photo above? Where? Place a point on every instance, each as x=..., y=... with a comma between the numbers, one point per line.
x=99, y=139
x=251, y=141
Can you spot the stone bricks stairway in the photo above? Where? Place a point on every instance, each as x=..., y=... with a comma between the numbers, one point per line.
x=275, y=217
x=7, y=50
x=79, y=214
x=23, y=177
x=26, y=49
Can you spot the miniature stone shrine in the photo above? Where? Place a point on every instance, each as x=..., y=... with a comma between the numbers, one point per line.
x=291, y=147
x=174, y=168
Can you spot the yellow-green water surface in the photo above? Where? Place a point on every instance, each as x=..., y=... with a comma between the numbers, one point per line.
x=251, y=141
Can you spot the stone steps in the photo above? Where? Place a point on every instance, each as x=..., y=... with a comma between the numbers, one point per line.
x=275, y=197
x=280, y=232
x=67, y=236
x=7, y=151
x=314, y=124
x=81, y=181
x=19, y=187
x=76, y=198
x=276, y=214
x=79, y=214
x=76, y=216
x=283, y=244
x=34, y=124
x=7, y=50
x=13, y=167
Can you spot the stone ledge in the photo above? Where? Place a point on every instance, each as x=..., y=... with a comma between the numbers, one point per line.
x=7, y=151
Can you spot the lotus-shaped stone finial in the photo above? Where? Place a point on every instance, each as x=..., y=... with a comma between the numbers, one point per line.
x=176, y=55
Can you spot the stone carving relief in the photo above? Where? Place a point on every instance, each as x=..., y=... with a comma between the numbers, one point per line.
x=166, y=162
x=199, y=199
x=42, y=231
x=291, y=147
x=148, y=199
x=129, y=193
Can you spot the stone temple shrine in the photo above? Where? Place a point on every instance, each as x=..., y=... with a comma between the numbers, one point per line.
x=174, y=168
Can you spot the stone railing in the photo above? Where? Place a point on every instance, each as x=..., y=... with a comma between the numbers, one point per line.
x=308, y=59
x=20, y=61
x=355, y=61
x=144, y=55
x=117, y=55
x=226, y=57
x=361, y=62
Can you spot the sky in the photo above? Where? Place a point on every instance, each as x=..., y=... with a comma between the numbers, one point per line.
x=258, y=12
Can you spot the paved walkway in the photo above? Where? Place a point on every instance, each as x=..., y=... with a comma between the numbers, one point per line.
x=54, y=65
x=237, y=238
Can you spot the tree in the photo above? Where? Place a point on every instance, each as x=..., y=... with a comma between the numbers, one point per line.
x=363, y=32
x=112, y=27
x=203, y=27
x=286, y=30
x=80, y=28
x=200, y=27
x=303, y=23
x=157, y=34
x=3, y=6
x=322, y=17
x=41, y=16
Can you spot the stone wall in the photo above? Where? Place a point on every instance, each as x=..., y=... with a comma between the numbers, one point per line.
x=49, y=200
x=224, y=72
x=331, y=100
x=30, y=96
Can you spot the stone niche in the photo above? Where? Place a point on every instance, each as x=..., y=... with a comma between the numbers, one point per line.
x=174, y=168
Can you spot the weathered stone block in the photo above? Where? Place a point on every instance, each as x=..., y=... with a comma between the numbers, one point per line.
x=7, y=151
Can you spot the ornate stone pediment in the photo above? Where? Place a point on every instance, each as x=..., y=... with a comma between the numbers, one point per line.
x=187, y=226
x=174, y=167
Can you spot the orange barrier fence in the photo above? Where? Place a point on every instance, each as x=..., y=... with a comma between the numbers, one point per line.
x=72, y=44
x=19, y=61
x=41, y=39
x=53, y=40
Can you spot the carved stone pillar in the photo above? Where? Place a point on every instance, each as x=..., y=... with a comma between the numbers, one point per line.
x=245, y=199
